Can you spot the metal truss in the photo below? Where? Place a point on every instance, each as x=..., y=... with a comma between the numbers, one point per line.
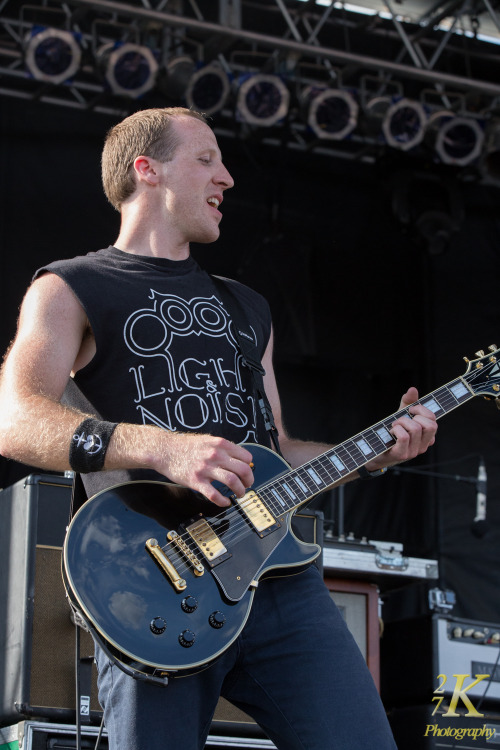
x=445, y=50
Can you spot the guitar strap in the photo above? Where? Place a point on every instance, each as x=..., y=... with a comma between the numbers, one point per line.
x=250, y=358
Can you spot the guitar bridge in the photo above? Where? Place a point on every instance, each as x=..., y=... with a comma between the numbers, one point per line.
x=257, y=513
x=181, y=545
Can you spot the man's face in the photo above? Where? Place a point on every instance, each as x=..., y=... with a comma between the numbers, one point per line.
x=194, y=181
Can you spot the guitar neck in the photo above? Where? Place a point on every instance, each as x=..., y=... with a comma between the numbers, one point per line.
x=292, y=490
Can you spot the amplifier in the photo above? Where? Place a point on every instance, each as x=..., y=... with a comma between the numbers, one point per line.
x=421, y=658
x=358, y=603
x=383, y=563
x=37, y=636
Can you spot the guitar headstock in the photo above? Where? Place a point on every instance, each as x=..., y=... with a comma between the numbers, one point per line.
x=483, y=373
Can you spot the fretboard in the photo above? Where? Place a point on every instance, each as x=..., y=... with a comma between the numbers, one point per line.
x=293, y=489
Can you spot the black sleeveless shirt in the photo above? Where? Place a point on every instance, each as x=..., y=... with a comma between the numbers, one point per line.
x=165, y=349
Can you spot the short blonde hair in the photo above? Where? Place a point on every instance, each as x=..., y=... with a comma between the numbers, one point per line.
x=148, y=132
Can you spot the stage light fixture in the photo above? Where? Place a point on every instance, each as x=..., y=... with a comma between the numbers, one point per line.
x=262, y=100
x=459, y=141
x=208, y=89
x=333, y=113
x=52, y=55
x=373, y=114
x=178, y=73
x=404, y=124
x=130, y=69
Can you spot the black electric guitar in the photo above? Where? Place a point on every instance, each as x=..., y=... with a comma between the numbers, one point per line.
x=165, y=579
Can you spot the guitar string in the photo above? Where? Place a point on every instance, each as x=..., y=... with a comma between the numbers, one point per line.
x=240, y=527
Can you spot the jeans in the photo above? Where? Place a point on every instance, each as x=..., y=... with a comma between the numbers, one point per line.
x=295, y=669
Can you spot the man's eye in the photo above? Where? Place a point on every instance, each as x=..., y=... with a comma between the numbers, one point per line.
x=205, y=160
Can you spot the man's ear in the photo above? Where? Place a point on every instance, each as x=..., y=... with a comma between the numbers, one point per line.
x=145, y=170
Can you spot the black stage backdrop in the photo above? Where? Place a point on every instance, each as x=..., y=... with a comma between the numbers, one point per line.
x=379, y=277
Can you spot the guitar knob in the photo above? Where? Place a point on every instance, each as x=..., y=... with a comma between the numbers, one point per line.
x=187, y=638
x=158, y=625
x=217, y=619
x=189, y=604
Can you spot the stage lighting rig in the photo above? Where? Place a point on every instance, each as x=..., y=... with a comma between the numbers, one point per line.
x=332, y=113
x=404, y=124
x=263, y=100
x=208, y=89
x=130, y=69
x=52, y=55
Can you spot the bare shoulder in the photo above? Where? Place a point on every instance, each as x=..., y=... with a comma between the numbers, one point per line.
x=50, y=296
x=52, y=325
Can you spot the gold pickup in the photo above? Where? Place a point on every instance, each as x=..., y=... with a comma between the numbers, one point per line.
x=256, y=512
x=206, y=539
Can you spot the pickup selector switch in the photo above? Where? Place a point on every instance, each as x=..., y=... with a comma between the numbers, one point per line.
x=217, y=619
x=187, y=638
x=189, y=604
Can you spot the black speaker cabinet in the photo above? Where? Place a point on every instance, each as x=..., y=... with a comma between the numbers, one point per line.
x=37, y=636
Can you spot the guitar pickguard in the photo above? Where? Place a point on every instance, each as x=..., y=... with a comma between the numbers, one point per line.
x=236, y=574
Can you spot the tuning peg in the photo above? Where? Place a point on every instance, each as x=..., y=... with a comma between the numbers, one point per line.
x=480, y=353
x=466, y=359
x=492, y=348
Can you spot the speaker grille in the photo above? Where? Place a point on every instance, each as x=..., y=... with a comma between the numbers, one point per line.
x=53, y=655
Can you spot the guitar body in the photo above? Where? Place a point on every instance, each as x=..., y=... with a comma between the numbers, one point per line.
x=132, y=605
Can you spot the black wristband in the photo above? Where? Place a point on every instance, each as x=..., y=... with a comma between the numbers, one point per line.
x=365, y=474
x=89, y=445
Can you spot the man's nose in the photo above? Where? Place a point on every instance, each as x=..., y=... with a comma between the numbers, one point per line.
x=224, y=179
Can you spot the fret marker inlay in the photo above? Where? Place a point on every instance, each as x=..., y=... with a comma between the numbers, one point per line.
x=384, y=435
x=432, y=404
x=337, y=462
x=314, y=476
x=459, y=390
x=364, y=447
x=301, y=484
x=278, y=498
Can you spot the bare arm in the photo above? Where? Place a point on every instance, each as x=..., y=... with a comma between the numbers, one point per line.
x=35, y=428
x=413, y=436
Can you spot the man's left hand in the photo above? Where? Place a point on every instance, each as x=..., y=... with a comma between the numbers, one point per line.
x=413, y=436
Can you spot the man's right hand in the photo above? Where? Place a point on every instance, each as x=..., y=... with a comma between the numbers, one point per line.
x=192, y=460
